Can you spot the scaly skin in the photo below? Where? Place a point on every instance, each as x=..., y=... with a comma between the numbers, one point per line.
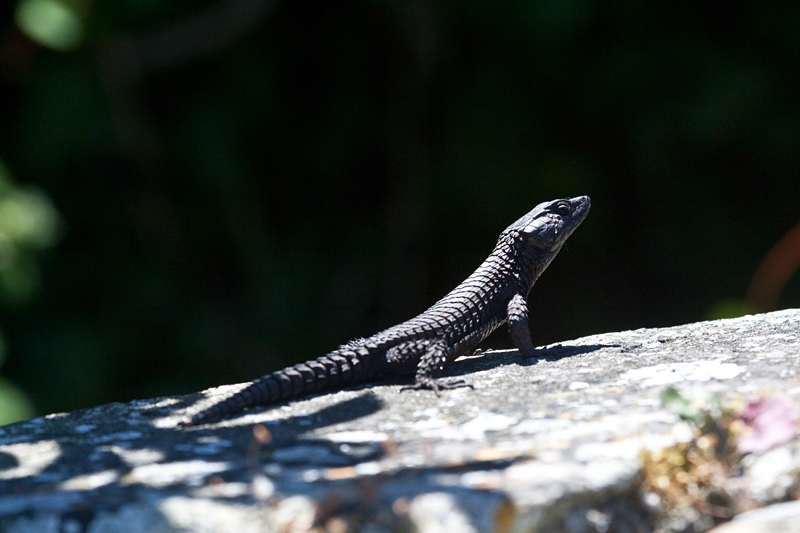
x=494, y=294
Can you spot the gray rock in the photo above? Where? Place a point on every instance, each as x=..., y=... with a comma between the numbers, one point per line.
x=777, y=518
x=539, y=445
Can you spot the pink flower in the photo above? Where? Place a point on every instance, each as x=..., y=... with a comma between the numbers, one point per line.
x=773, y=421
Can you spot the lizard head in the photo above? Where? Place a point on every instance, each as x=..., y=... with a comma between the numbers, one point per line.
x=548, y=225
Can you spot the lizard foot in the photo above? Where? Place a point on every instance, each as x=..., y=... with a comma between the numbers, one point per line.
x=436, y=385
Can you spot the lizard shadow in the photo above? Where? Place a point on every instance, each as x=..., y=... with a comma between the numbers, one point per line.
x=494, y=359
x=295, y=425
x=293, y=436
x=340, y=412
x=368, y=402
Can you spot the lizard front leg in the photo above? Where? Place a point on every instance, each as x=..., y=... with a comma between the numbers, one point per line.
x=519, y=326
x=428, y=357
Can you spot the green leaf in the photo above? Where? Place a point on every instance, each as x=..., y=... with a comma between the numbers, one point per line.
x=14, y=404
x=674, y=402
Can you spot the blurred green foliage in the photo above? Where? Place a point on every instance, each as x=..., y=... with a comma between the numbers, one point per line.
x=247, y=183
x=50, y=23
x=28, y=225
x=14, y=403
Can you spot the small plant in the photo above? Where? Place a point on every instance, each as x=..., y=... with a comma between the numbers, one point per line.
x=696, y=479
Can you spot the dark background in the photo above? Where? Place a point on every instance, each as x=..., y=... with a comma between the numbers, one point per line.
x=244, y=184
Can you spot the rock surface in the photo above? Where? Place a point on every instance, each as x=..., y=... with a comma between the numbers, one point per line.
x=552, y=444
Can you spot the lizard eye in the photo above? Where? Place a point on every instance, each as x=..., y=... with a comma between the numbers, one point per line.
x=562, y=208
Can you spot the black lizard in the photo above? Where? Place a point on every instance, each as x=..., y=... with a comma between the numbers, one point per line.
x=495, y=293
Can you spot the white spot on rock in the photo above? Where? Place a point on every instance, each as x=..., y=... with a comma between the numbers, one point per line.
x=667, y=374
x=578, y=385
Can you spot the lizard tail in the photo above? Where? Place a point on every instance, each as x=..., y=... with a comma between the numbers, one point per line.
x=338, y=368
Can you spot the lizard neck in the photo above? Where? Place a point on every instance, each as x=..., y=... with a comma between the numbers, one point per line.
x=524, y=263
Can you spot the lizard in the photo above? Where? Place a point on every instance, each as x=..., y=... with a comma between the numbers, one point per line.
x=496, y=293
